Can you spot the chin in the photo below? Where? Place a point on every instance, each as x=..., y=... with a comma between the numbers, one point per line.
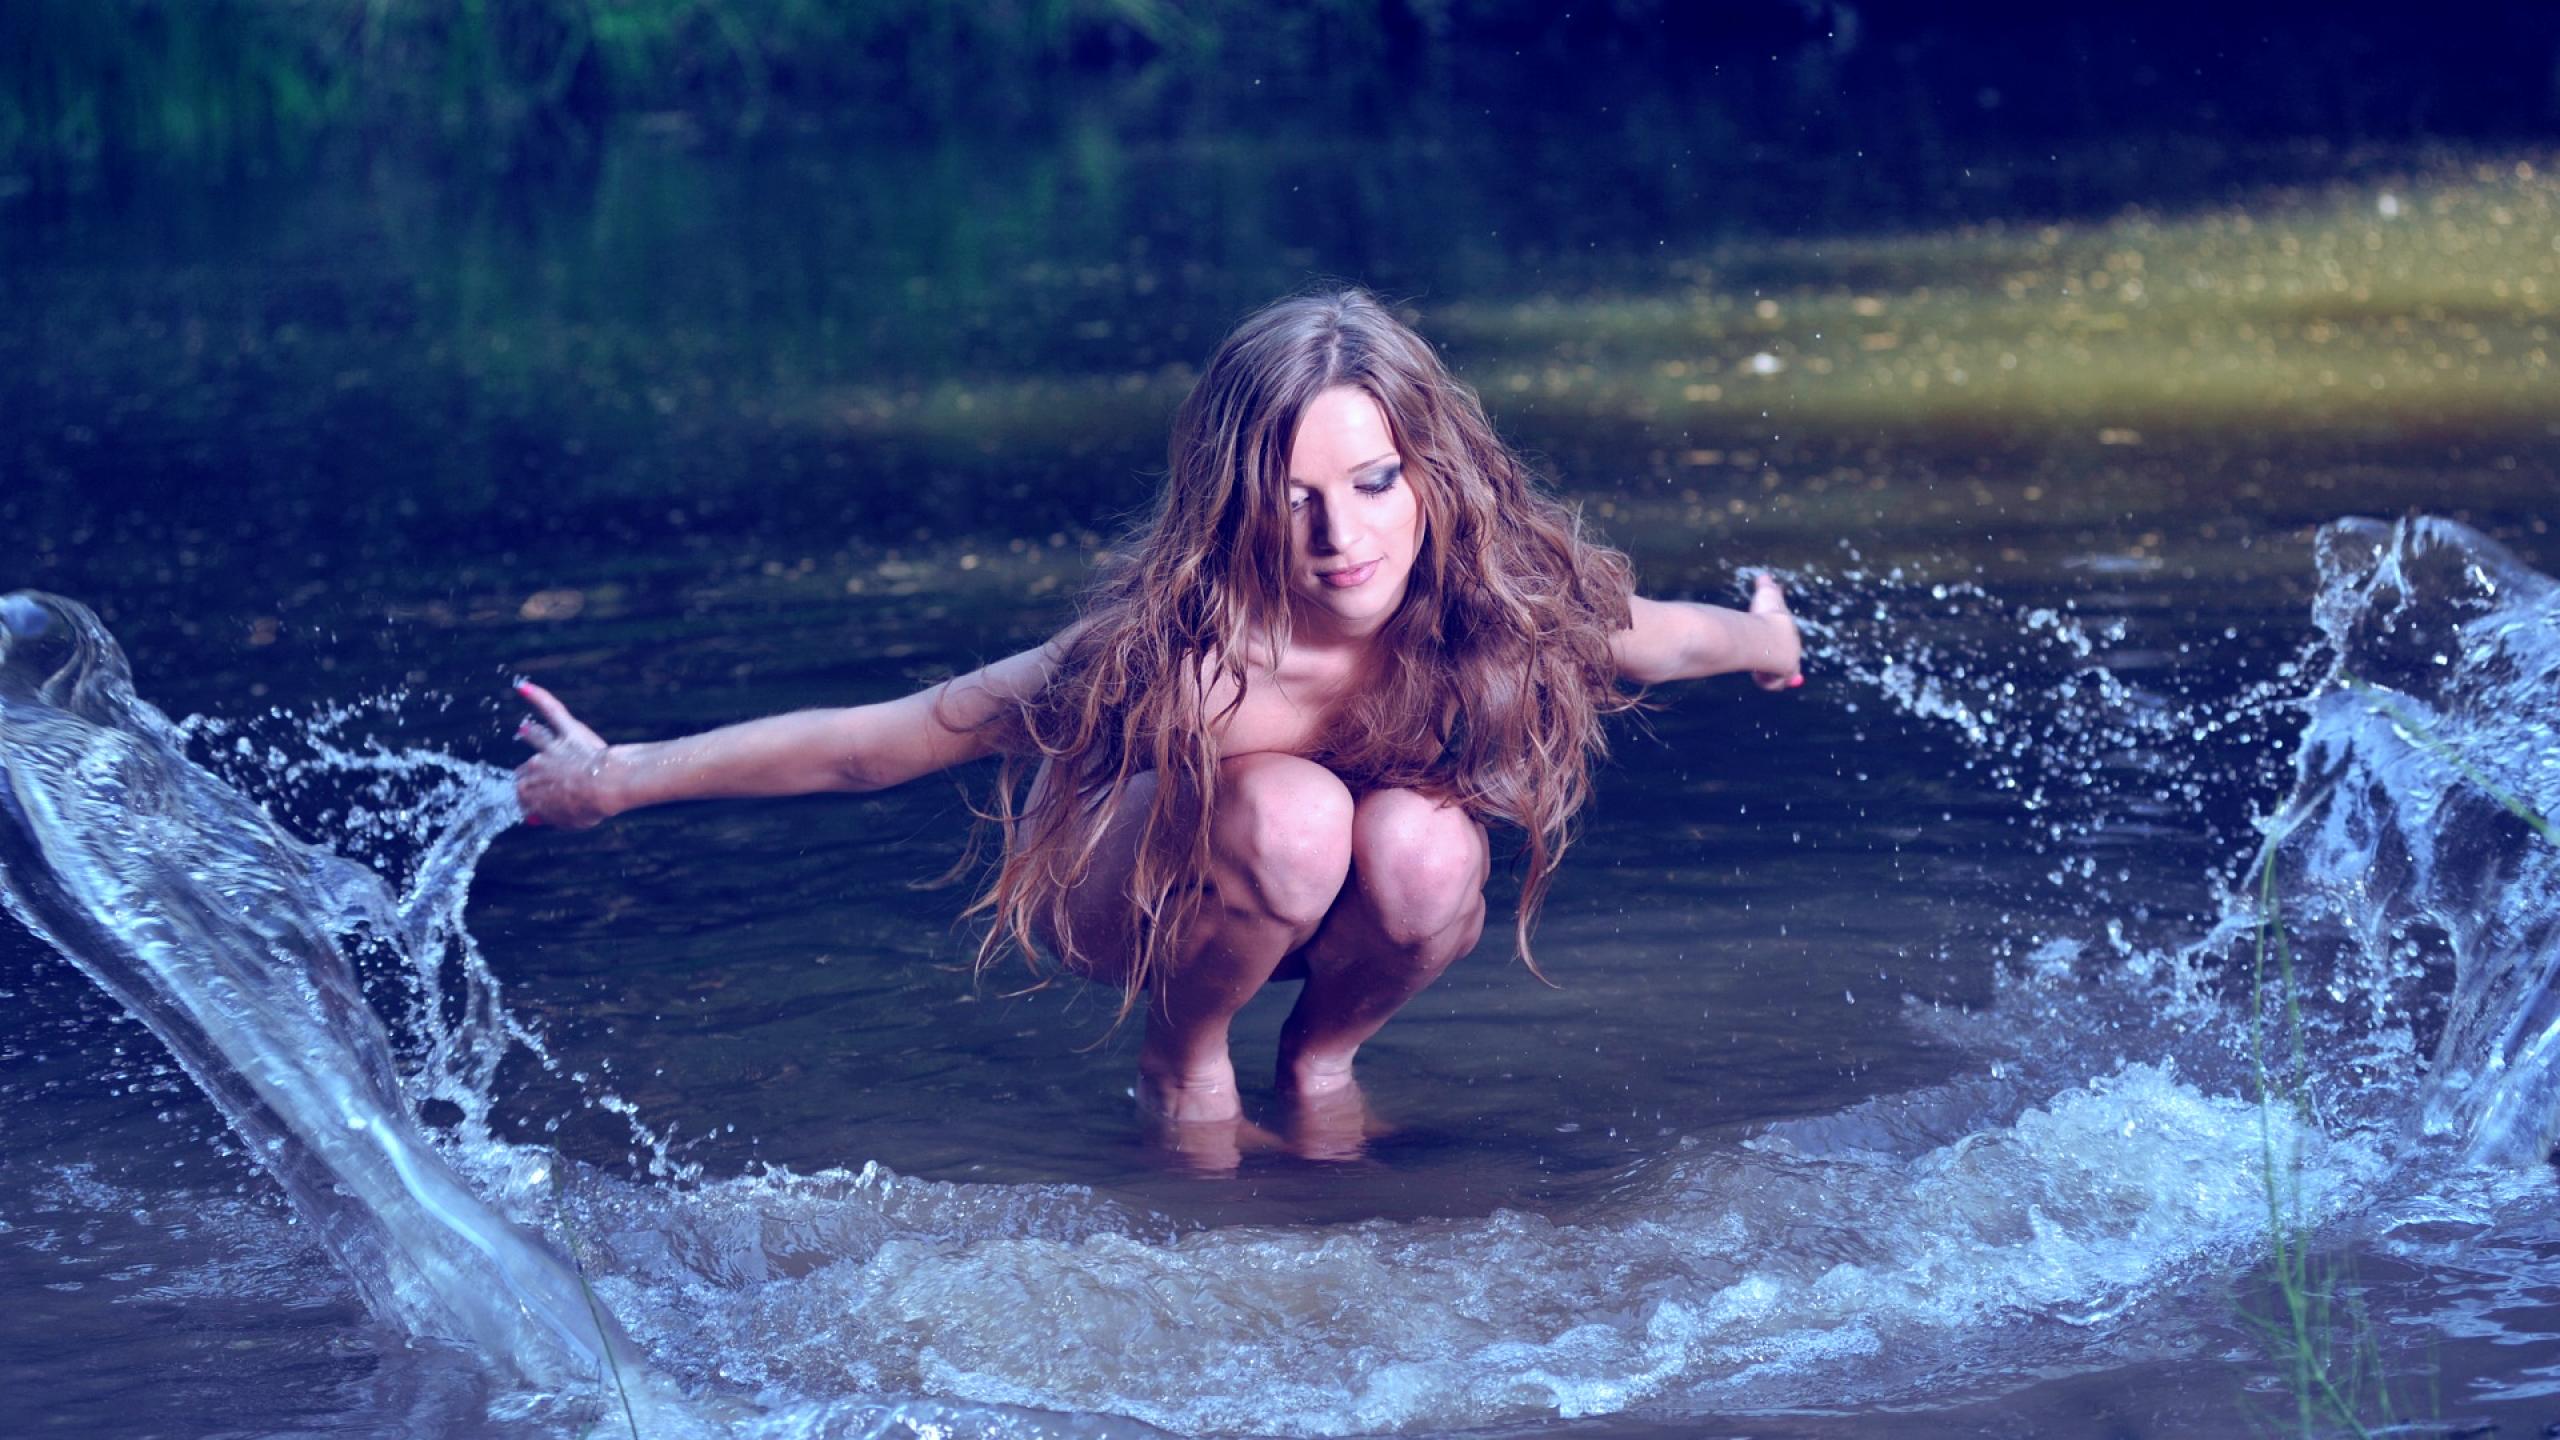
x=1362, y=609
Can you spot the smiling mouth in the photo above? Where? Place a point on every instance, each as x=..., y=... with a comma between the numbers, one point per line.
x=1349, y=575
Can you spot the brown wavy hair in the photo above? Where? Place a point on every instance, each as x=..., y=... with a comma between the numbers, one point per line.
x=1492, y=675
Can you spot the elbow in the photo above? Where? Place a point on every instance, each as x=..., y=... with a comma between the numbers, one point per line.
x=1645, y=674
x=861, y=755
x=862, y=774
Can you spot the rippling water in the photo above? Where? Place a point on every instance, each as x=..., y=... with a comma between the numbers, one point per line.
x=2114, y=1154
x=1903, y=1065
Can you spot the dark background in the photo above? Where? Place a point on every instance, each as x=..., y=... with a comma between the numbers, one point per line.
x=101, y=93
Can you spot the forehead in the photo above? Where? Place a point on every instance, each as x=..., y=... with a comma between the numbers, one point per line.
x=1340, y=430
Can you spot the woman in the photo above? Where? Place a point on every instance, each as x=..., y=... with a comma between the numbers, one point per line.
x=1353, y=635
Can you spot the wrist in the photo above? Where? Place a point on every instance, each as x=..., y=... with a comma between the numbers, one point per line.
x=616, y=780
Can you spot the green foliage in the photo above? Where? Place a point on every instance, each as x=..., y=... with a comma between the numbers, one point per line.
x=218, y=85
x=215, y=82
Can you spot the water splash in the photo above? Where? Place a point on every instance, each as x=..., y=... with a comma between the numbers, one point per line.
x=216, y=927
x=2413, y=850
x=2050, y=704
x=2412, y=878
x=1736, y=1280
x=421, y=820
x=1917, y=1247
x=186, y=901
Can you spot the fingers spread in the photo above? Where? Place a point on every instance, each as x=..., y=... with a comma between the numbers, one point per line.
x=556, y=715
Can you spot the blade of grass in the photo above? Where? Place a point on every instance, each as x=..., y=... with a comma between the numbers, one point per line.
x=2443, y=750
x=595, y=1309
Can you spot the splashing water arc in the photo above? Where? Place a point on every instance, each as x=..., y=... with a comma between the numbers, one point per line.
x=186, y=902
x=2426, y=779
x=2038, y=1214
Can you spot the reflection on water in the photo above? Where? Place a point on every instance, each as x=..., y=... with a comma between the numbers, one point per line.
x=711, y=439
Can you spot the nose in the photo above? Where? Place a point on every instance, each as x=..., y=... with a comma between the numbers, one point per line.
x=1335, y=529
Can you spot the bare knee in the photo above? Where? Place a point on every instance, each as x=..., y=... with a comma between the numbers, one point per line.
x=1421, y=867
x=1283, y=837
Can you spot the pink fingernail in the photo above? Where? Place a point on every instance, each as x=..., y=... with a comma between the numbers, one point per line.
x=1798, y=680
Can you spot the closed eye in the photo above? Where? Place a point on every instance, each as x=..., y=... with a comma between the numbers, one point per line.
x=1385, y=482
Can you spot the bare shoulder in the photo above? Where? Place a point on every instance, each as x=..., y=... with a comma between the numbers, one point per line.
x=1017, y=677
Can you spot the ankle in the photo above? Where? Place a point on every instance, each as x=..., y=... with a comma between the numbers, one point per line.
x=1312, y=1075
x=1196, y=1090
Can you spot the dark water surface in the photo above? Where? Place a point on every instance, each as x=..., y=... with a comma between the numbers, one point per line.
x=696, y=437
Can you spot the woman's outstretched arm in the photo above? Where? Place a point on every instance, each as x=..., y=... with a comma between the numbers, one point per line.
x=576, y=780
x=1679, y=640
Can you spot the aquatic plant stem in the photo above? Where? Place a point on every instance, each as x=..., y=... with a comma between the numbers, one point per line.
x=2435, y=745
x=2295, y=1344
x=595, y=1307
x=2301, y=1344
x=612, y=1363
x=2300, y=1340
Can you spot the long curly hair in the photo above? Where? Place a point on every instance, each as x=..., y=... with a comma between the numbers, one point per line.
x=1492, y=674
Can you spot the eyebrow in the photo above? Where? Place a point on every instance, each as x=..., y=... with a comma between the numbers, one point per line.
x=1383, y=462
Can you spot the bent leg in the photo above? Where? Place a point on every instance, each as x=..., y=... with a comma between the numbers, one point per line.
x=1280, y=846
x=1415, y=903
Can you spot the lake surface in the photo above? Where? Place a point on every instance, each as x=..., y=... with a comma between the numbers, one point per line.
x=1883, y=1082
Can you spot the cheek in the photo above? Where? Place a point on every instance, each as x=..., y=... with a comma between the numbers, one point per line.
x=1416, y=527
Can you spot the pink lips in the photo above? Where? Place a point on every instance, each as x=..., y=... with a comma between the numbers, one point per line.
x=1349, y=576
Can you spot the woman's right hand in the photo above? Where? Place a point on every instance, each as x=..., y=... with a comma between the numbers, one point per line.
x=566, y=782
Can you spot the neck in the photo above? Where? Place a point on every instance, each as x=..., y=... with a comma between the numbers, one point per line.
x=1313, y=629
x=1323, y=640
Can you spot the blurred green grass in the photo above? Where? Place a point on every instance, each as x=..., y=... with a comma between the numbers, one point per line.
x=88, y=86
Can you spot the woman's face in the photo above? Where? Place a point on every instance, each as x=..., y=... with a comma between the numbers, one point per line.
x=1354, y=524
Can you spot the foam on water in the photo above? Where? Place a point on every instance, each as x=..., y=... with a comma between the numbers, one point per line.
x=1739, y=1278
x=1901, y=1252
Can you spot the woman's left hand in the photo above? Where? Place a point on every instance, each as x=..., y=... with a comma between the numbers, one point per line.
x=1769, y=605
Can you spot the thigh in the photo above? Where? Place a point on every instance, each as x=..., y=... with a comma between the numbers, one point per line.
x=1100, y=919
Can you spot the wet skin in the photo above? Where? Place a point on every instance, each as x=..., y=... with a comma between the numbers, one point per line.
x=1365, y=898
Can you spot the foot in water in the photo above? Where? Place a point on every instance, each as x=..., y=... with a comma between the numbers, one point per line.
x=1208, y=1147
x=1334, y=1124
x=1199, y=1090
